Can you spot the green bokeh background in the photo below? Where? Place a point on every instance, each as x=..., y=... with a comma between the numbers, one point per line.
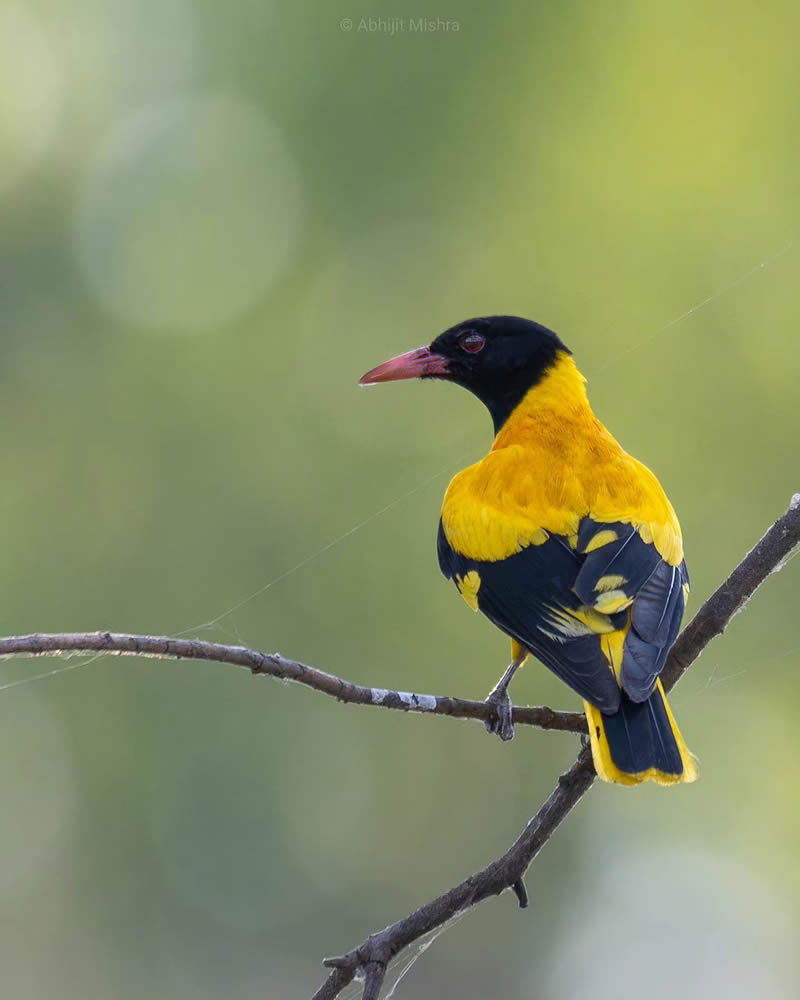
x=213, y=219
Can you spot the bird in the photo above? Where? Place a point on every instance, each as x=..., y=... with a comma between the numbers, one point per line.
x=564, y=541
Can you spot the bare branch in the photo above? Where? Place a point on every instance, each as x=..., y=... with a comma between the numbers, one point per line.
x=371, y=959
x=374, y=975
x=507, y=871
x=274, y=665
x=335, y=983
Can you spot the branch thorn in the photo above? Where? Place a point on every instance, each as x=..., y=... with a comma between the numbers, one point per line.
x=521, y=893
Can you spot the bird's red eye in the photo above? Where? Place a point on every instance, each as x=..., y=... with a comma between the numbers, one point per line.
x=473, y=342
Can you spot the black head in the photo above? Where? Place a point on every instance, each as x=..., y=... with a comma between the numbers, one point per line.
x=498, y=358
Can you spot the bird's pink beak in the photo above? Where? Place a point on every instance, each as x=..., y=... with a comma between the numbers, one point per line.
x=412, y=364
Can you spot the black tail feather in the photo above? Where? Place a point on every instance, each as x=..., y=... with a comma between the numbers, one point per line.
x=640, y=737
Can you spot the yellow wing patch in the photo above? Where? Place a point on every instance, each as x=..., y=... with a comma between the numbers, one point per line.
x=613, y=646
x=666, y=536
x=573, y=623
x=604, y=537
x=468, y=586
x=612, y=601
x=611, y=582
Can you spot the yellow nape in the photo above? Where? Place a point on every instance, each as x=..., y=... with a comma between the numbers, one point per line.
x=468, y=586
x=552, y=464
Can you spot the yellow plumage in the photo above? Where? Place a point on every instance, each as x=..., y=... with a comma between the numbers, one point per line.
x=607, y=769
x=468, y=586
x=563, y=540
x=552, y=464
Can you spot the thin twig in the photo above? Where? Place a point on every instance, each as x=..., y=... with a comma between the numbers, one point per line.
x=507, y=871
x=274, y=665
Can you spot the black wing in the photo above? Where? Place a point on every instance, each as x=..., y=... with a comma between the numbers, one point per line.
x=621, y=569
x=558, y=602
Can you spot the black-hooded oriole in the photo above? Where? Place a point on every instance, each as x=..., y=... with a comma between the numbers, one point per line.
x=564, y=541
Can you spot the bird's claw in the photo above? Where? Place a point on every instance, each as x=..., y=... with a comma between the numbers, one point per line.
x=502, y=725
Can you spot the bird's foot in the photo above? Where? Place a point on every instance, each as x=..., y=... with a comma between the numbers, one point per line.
x=502, y=725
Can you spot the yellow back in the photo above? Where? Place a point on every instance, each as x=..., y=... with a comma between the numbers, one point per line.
x=551, y=464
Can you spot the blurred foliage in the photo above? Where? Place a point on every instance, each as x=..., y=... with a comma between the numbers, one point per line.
x=214, y=219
